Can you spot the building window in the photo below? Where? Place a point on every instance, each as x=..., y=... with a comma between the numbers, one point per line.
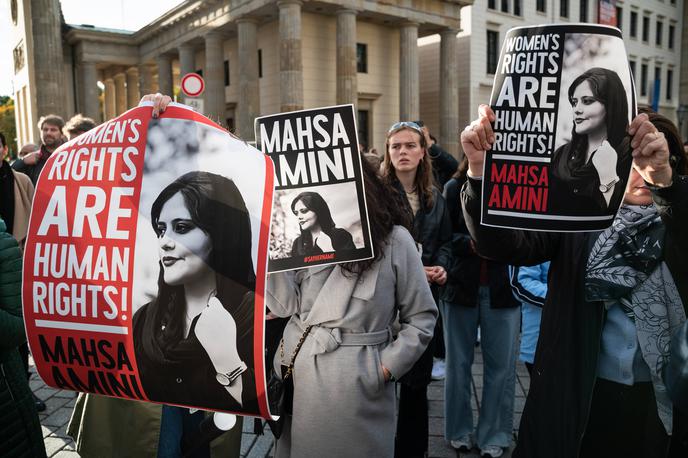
x=260, y=64
x=361, y=58
x=492, y=51
x=541, y=6
x=619, y=17
x=643, y=80
x=505, y=6
x=672, y=31
x=492, y=4
x=18, y=54
x=564, y=8
x=199, y=72
x=634, y=24
x=659, y=32
x=646, y=28
x=632, y=66
x=227, y=72
x=669, y=83
x=657, y=84
x=584, y=10
x=363, y=135
x=517, y=7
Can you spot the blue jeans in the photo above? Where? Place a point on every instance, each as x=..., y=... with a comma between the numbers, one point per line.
x=499, y=330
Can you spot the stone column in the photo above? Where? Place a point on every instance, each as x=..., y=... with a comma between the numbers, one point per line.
x=186, y=59
x=133, y=95
x=89, y=91
x=48, y=59
x=347, y=76
x=110, y=110
x=146, y=79
x=213, y=74
x=409, y=97
x=449, y=92
x=291, y=64
x=165, y=75
x=248, y=107
x=120, y=93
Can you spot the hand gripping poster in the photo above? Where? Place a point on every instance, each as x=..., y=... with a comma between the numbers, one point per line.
x=319, y=209
x=563, y=98
x=144, y=269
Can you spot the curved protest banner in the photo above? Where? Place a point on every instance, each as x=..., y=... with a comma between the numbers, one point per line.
x=145, y=263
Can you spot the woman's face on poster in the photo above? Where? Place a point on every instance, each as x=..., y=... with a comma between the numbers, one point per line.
x=405, y=150
x=588, y=112
x=184, y=248
x=307, y=218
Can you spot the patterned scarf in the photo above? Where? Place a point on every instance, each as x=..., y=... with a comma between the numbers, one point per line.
x=626, y=265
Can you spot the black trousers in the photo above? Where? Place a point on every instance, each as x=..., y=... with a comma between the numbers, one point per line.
x=412, y=424
x=624, y=423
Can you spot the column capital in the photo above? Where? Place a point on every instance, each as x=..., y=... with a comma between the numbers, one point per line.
x=186, y=47
x=409, y=24
x=214, y=35
x=347, y=10
x=282, y=3
x=132, y=71
x=449, y=31
x=247, y=19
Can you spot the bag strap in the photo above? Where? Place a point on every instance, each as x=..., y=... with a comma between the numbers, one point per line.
x=290, y=368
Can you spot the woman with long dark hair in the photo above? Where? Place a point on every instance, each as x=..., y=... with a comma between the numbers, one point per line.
x=194, y=341
x=318, y=232
x=343, y=402
x=589, y=173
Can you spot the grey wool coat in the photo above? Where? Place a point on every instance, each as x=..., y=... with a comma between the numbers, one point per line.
x=342, y=405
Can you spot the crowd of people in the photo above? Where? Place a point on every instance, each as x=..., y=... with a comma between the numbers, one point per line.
x=608, y=359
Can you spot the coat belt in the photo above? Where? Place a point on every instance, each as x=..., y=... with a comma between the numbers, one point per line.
x=325, y=340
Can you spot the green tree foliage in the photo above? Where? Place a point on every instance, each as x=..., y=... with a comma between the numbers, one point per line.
x=7, y=123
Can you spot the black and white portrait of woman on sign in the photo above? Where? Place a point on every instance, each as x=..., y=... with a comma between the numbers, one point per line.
x=194, y=340
x=590, y=171
x=318, y=232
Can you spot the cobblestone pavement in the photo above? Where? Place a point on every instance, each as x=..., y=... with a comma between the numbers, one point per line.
x=60, y=403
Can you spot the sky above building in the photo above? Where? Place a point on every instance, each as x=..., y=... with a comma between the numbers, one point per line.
x=115, y=14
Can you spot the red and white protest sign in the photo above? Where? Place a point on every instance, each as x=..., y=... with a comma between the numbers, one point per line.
x=192, y=84
x=145, y=263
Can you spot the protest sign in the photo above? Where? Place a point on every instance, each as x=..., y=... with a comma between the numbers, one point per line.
x=145, y=263
x=563, y=97
x=319, y=210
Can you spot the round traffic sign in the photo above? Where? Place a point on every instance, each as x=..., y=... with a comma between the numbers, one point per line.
x=192, y=84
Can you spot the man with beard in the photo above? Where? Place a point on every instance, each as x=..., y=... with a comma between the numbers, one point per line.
x=51, y=137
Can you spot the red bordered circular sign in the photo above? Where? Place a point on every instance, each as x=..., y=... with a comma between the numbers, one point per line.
x=192, y=84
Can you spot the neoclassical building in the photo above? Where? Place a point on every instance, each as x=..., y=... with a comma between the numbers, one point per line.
x=257, y=57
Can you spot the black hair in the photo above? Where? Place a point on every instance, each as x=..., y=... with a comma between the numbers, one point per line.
x=216, y=207
x=606, y=86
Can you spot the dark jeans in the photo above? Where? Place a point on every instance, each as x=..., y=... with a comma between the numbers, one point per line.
x=412, y=424
x=624, y=423
x=176, y=423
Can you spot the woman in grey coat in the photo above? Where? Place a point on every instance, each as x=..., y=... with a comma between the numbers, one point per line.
x=343, y=396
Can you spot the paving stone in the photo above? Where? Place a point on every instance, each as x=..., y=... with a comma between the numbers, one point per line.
x=58, y=418
x=48, y=430
x=54, y=445
x=53, y=404
x=261, y=448
x=66, y=394
x=436, y=408
x=67, y=454
x=439, y=448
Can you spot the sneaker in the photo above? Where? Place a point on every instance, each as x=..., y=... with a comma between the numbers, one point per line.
x=462, y=444
x=438, y=369
x=40, y=405
x=491, y=451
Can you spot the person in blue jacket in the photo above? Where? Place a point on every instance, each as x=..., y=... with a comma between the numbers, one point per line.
x=529, y=285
